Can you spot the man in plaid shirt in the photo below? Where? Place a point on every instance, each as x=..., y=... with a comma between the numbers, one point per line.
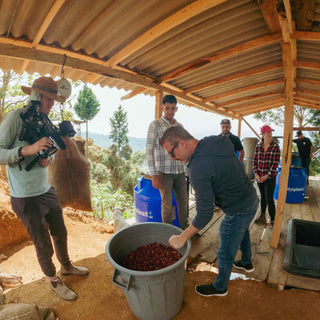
x=167, y=174
x=265, y=164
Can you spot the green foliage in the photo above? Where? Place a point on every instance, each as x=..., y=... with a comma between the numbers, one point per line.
x=122, y=174
x=87, y=105
x=302, y=116
x=11, y=95
x=315, y=162
x=119, y=133
x=139, y=158
x=104, y=198
x=315, y=119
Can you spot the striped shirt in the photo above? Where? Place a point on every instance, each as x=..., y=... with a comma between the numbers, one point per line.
x=266, y=162
x=158, y=159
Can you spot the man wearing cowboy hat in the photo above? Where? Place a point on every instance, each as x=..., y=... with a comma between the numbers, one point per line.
x=32, y=198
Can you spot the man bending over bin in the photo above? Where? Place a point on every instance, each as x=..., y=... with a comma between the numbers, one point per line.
x=217, y=177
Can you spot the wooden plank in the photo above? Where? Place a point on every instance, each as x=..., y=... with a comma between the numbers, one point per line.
x=307, y=65
x=305, y=35
x=277, y=275
x=46, y=22
x=287, y=141
x=304, y=10
x=158, y=107
x=249, y=98
x=164, y=26
x=302, y=282
x=235, y=76
x=270, y=13
x=244, y=89
x=210, y=238
x=217, y=57
x=259, y=104
x=97, y=66
x=261, y=108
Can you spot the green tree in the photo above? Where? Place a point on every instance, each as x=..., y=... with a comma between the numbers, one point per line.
x=87, y=107
x=11, y=95
x=119, y=131
x=302, y=116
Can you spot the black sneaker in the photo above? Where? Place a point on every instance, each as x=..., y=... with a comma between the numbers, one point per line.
x=248, y=267
x=261, y=220
x=208, y=290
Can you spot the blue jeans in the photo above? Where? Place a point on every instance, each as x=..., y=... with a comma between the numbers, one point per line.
x=234, y=233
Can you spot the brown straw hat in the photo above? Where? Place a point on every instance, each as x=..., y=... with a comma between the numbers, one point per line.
x=46, y=86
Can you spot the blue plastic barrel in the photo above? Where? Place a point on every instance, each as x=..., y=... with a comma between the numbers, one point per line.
x=296, y=185
x=147, y=201
x=296, y=160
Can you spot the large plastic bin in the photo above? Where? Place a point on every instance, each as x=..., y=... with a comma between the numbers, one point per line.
x=296, y=185
x=302, y=254
x=151, y=295
x=147, y=202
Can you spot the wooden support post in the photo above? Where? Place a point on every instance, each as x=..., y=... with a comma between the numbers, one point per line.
x=251, y=128
x=287, y=143
x=158, y=109
x=239, y=128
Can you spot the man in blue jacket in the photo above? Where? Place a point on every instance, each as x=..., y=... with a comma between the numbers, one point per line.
x=217, y=177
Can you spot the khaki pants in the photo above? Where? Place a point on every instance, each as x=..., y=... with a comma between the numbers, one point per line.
x=177, y=183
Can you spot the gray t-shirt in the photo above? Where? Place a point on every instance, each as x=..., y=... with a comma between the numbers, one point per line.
x=22, y=183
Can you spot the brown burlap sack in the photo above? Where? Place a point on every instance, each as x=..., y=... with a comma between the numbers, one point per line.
x=69, y=174
x=23, y=311
x=12, y=231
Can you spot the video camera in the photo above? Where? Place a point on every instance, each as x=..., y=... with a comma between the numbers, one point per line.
x=37, y=125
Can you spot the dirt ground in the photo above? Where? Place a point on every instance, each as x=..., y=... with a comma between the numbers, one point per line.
x=99, y=298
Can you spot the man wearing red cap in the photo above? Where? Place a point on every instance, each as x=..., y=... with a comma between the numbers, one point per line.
x=32, y=198
x=265, y=164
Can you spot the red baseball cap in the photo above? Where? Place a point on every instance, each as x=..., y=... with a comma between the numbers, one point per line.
x=266, y=128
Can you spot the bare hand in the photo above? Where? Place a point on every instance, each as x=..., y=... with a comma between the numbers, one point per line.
x=45, y=162
x=176, y=242
x=42, y=144
x=156, y=182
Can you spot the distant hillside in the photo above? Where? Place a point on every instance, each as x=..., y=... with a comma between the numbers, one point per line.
x=104, y=141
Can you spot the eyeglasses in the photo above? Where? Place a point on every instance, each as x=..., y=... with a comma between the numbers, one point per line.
x=172, y=150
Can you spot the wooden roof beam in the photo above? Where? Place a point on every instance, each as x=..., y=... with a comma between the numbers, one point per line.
x=235, y=76
x=270, y=14
x=307, y=65
x=310, y=92
x=253, y=105
x=236, y=50
x=248, y=99
x=164, y=26
x=306, y=98
x=43, y=28
x=307, y=105
x=303, y=11
x=96, y=66
x=133, y=93
x=306, y=36
x=269, y=107
x=244, y=89
x=308, y=81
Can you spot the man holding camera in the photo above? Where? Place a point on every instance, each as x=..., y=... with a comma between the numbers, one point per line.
x=32, y=198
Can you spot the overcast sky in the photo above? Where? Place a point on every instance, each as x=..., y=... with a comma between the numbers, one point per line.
x=141, y=110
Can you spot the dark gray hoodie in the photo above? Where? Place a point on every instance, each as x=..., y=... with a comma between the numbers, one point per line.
x=218, y=178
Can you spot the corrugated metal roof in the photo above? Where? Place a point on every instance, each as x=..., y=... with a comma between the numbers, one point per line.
x=222, y=56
